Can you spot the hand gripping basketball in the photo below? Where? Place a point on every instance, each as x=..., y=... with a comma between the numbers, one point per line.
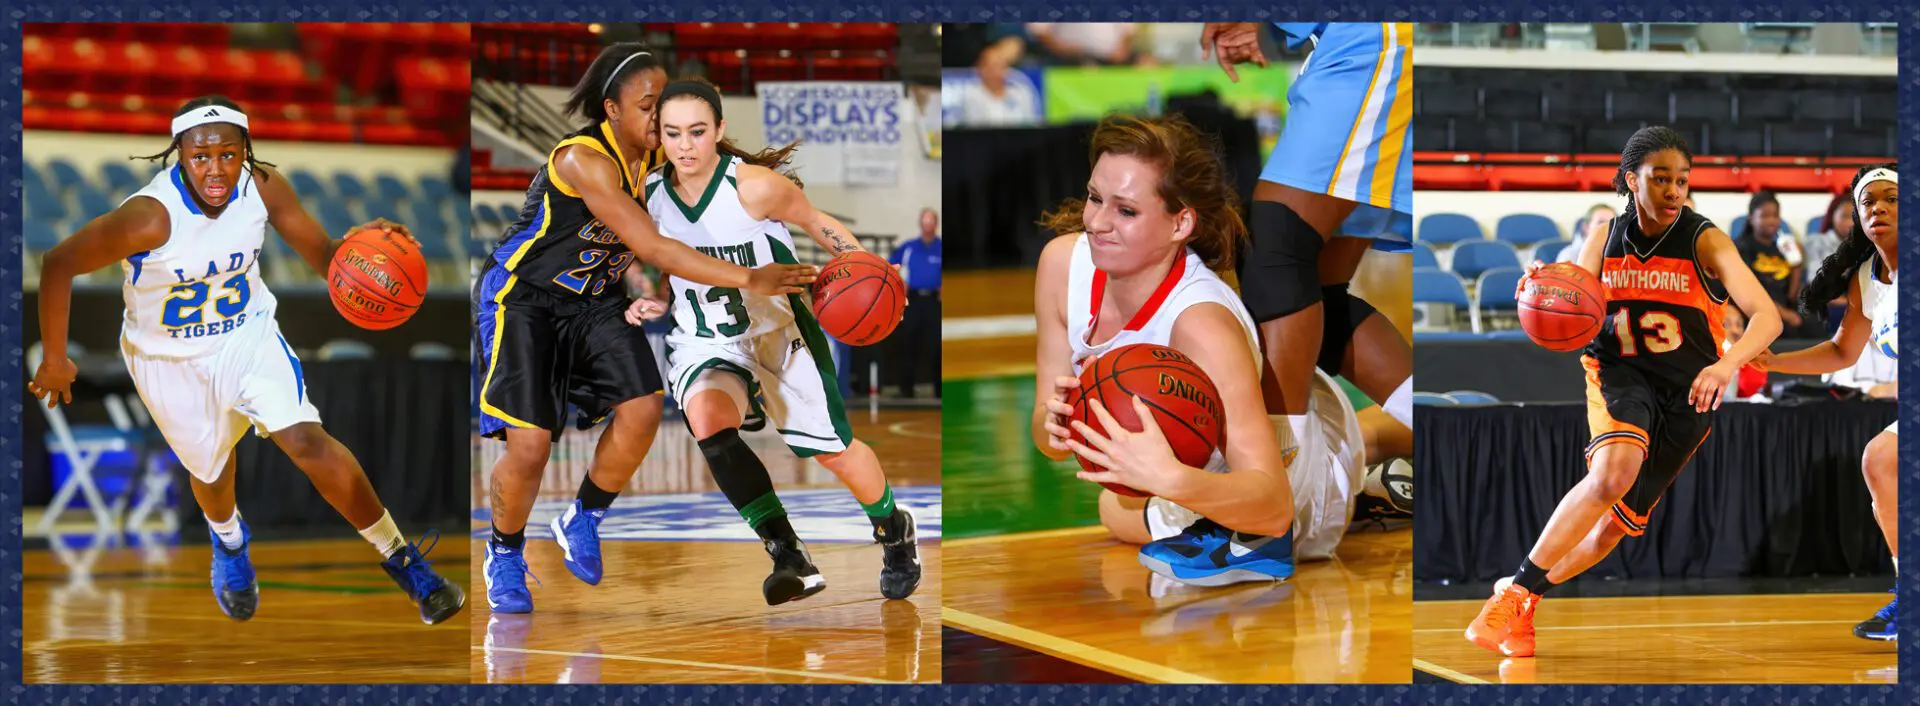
x=1142, y=460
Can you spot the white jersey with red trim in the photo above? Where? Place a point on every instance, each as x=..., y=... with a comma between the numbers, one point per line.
x=1323, y=482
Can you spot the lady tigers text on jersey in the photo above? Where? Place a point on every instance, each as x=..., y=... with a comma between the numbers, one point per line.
x=222, y=291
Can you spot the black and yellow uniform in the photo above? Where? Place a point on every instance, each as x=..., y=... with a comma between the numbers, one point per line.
x=1663, y=327
x=549, y=326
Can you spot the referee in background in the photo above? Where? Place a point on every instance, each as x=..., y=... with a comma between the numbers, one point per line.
x=918, y=346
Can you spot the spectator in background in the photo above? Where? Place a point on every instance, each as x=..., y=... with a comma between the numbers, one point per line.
x=1084, y=43
x=1170, y=43
x=1595, y=225
x=1750, y=384
x=1775, y=263
x=994, y=100
x=1823, y=244
x=919, y=335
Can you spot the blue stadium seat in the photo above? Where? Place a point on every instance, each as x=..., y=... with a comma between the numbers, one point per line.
x=1435, y=286
x=433, y=240
x=1449, y=228
x=308, y=186
x=345, y=349
x=40, y=235
x=1471, y=259
x=121, y=178
x=1432, y=399
x=1423, y=256
x=483, y=214
x=1817, y=224
x=436, y=187
x=1493, y=292
x=1550, y=251
x=334, y=217
x=390, y=188
x=94, y=203
x=1740, y=222
x=1525, y=229
x=31, y=175
x=42, y=203
x=65, y=176
x=349, y=186
x=1472, y=397
x=478, y=248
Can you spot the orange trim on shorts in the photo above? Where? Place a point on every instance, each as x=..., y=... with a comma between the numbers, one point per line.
x=1629, y=522
x=1600, y=423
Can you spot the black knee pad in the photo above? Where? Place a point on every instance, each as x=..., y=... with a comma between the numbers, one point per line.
x=1280, y=273
x=1344, y=313
x=739, y=473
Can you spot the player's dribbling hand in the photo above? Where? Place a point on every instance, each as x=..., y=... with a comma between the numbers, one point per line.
x=1710, y=386
x=643, y=310
x=1058, y=411
x=53, y=382
x=780, y=279
x=386, y=225
x=1142, y=460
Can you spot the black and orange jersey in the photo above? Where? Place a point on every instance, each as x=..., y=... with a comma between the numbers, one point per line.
x=1664, y=312
x=557, y=244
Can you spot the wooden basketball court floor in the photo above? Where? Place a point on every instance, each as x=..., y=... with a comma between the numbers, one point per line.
x=1694, y=639
x=680, y=601
x=146, y=615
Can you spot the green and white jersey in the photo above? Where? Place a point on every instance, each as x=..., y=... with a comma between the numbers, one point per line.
x=719, y=226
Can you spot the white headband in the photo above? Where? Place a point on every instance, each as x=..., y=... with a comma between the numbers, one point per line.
x=1881, y=174
x=209, y=114
x=616, y=73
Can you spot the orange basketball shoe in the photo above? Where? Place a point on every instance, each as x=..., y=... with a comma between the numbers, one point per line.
x=1519, y=642
x=1495, y=623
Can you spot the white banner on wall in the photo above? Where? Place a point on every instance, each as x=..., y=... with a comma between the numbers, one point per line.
x=849, y=131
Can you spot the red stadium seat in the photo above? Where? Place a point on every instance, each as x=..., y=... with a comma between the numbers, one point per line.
x=1451, y=177
x=1810, y=179
x=1533, y=172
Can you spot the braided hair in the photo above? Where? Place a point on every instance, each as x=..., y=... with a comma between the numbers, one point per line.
x=1839, y=269
x=1645, y=141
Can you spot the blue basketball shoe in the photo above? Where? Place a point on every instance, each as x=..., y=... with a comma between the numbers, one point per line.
x=234, y=586
x=1884, y=625
x=507, y=572
x=438, y=599
x=578, y=532
x=1207, y=554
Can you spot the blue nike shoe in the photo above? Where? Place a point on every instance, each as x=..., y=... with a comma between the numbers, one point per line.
x=234, y=587
x=437, y=598
x=506, y=571
x=1207, y=554
x=1884, y=625
x=578, y=532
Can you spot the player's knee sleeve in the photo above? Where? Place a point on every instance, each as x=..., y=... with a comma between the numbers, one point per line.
x=1341, y=317
x=736, y=469
x=1280, y=273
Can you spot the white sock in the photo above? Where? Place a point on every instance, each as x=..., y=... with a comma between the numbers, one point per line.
x=1896, y=567
x=384, y=535
x=1399, y=405
x=229, y=531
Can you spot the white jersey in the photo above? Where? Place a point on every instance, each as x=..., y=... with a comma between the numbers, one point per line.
x=718, y=226
x=1881, y=305
x=1188, y=284
x=186, y=297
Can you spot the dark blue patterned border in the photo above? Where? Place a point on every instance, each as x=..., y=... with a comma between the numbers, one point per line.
x=909, y=11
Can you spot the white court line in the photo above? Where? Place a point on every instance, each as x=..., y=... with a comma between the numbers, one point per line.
x=971, y=327
x=689, y=663
x=1661, y=626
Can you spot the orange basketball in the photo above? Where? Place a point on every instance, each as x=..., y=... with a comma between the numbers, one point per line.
x=859, y=298
x=377, y=279
x=1184, y=401
x=1562, y=306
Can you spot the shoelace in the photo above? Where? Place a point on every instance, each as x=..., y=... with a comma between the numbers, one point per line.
x=1498, y=619
x=519, y=560
x=419, y=570
x=230, y=560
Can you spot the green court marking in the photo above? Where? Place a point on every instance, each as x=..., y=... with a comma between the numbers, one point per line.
x=994, y=480
x=1359, y=399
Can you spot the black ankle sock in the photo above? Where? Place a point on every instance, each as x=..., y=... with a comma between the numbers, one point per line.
x=593, y=498
x=517, y=540
x=1533, y=578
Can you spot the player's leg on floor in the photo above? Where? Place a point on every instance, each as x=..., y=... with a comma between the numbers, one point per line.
x=234, y=585
x=338, y=476
x=714, y=415
x=1881, y=465
x=512, y=488
x=1125, y=517
x=1385, y=436
x=623, y=445
x=1610, y=474
x=893, y=526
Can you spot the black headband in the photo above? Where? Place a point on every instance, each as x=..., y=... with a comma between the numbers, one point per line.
x=693, y=88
